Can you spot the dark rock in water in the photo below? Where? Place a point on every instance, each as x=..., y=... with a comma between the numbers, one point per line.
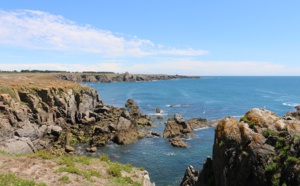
x=178, y=142
x=176, y=126
x=158, y=110
x=260, y=149
x=196, y=123
x=155, y=134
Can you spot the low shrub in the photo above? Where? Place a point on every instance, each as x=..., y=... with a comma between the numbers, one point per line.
x=104, y=157
x=114, y=171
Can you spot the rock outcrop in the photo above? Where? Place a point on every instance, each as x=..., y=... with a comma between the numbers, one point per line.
x=178, y=142
x=177, y=126
x=56, y=114
x=259, y=149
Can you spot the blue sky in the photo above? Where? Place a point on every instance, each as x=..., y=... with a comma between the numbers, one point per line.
x=174, y=37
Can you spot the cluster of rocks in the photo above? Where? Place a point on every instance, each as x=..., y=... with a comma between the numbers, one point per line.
x=37, y=118
x=176, y=127
x=126, y=77
x=259, y=149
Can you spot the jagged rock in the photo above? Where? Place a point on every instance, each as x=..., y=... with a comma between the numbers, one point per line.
x=28, y=130
x=190, y=177
x=6, y=130
x=196, y=123
x=257, y=150
x=143, y=122
x=178, y=142
x=176, y=126
x=134, y=109
x=54, y=130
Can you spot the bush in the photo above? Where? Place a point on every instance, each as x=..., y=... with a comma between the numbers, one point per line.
x=291, y=160
x=65, y=179
x=114, y=171
x=104, y=157
x=266, y=133
x=271, y=167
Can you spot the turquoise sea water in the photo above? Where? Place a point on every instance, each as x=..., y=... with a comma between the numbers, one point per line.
x=207, y=97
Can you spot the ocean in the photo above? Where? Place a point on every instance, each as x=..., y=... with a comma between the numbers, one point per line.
x=208, y=97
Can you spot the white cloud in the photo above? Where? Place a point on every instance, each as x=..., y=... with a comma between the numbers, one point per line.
x=41, y=30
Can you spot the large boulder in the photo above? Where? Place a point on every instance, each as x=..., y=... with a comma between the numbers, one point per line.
x=178, y=142
x=177, y=126
x=18, y=145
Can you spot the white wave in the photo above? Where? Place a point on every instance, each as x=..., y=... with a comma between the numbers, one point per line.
x=290, y=104
x=238, y=116
x=158, y=114
x=179, y=105
x=170, y=154
x=267, y=91
x=202, y=128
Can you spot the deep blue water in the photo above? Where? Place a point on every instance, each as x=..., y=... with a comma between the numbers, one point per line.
x=207, y=97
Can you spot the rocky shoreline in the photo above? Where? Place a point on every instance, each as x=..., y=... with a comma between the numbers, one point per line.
x=41, y=112
x=126, y=77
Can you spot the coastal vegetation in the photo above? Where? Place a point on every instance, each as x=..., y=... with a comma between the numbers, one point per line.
x=66, y=169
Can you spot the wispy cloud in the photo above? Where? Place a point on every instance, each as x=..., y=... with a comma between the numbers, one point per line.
x=45, y=31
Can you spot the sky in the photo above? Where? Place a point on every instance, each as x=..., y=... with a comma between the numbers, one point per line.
x=195, y=37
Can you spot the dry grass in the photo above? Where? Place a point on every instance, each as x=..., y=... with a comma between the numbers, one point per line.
x=35, y=80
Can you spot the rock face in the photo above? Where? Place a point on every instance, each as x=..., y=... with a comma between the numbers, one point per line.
x=260, y=149
x=33, y=117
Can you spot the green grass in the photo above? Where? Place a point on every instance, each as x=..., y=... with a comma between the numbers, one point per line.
x=65, y=179
x=267, y=132
x=82, y=159
x=271, y=167
x=104, y=157
x=12, y=180
x=42, y=154
x=74, y=170
x=291, y=160
x=66, y=160
x=114, y=171
x=124, y=181
x=8, y=90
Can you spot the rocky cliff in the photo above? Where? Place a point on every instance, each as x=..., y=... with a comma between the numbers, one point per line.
x=259, y=149
x=42, y=111
x=126, y=77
